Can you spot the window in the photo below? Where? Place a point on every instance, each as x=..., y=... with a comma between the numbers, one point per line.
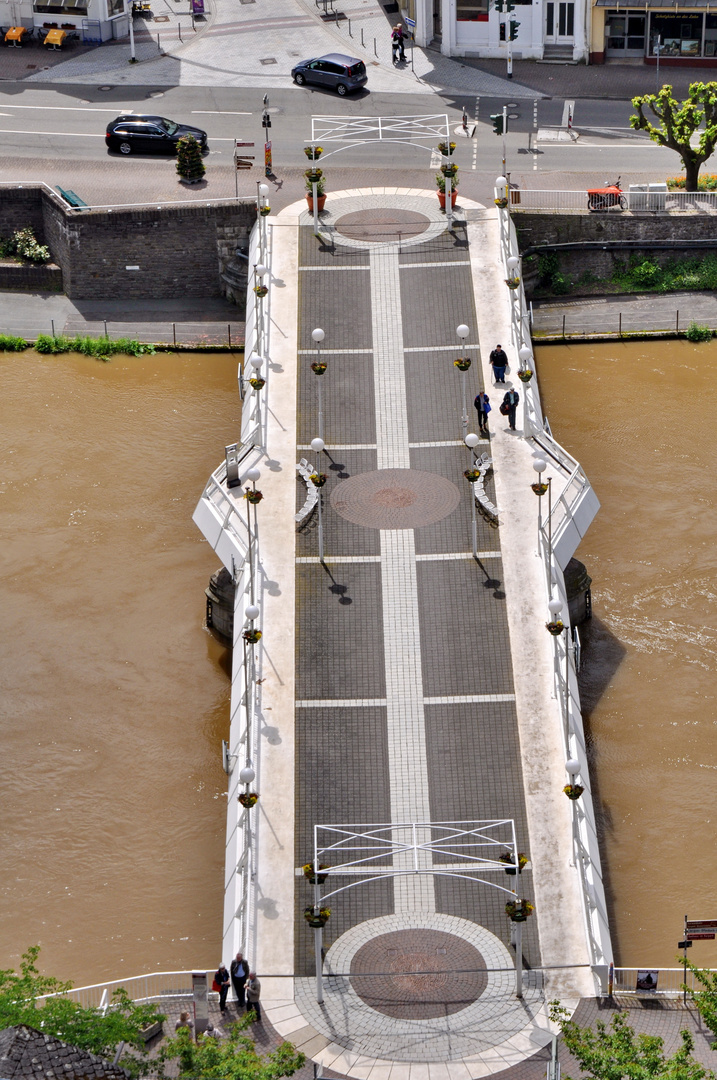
x=681, y=34
x=471, y=10
x=60, y=7
x=115, y=8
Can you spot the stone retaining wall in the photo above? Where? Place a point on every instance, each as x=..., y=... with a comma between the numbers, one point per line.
x=30, y=278
x=173, y=250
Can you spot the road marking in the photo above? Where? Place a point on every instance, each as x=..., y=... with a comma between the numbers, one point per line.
x=535, y=132
x=474, y=164
x=66, y=108
x=217, y=112
x=61, y=134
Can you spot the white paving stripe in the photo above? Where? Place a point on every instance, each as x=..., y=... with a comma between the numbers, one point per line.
x=341, y=703
x=443, y=556
x=324, y=268
x=408, y=767
x=443, y=348
x=339, y=352
x=427, y=266
x=468, y=699
x=343, y=446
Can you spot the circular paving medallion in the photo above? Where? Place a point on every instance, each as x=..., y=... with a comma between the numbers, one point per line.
x=382, y=224
x=395, y=499
x=418, y=974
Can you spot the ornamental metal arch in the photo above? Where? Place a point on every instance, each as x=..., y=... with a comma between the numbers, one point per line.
x=470, y=850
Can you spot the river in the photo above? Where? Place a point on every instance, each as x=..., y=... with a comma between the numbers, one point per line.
x=639, y=417
x=115, y=698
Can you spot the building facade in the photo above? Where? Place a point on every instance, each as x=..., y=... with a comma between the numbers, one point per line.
x=94, y=20
x=685, y=33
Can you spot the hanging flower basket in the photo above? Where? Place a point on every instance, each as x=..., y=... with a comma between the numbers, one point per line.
x=501, y=203
x=539, y=489
x=311, y=877
x=449, y=170
x=313, y=153
x=313, y=176
x=318, y=479
x=248, y=799
x=512, y=282
x=318, y=367
x=519, y=910
x=317, y=919
x=256, y=383
x=573, y=791
x=462, y=363
x=252, y=636
x=261, y=290
x=253, y=497
x=265, y=210
x=472, y=475
x=507, y=858
x=525, y=375
x=555, y=628
x=446, y=148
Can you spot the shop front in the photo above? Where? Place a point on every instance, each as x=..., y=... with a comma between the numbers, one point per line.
x=684, y=34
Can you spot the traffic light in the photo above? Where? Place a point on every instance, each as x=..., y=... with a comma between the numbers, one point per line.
x=497, y=119
x=501, y=29
x=514, y=30
x=509, y=5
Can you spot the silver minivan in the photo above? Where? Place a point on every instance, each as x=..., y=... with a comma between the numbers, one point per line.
x=334, y=71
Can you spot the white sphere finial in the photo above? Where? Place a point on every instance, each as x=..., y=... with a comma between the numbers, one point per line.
x=253, y=474
x=251, y=612
x=318, y=334
x=540, y=464
x=463, y=331
x=555, y=606
x=471, y=439
x=317, y=445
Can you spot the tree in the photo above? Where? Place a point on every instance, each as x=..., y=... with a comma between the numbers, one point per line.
x=100, y=1032
x=189, y=159
x=616, y=1052
x=233, y=1059
x=678, y=123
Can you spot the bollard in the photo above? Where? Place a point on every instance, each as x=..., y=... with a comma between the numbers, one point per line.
x=350, y=34
x=159, y=48
x=229, y=334
x=375, y=50
x=53, y=326
x=619, y=325
x=174, y=334
x=677, y=320
x=105, y=327
x=563, y=328
x=337, y=17
x=465, y=120
x=179, y=31
x=362, y=44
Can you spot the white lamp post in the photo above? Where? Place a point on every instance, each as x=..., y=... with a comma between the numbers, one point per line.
x=525, y=356
x=463, y=331
x=317, y=445
x=471, y=440
x=540, y=465
x=253, y=475
x=318, y=336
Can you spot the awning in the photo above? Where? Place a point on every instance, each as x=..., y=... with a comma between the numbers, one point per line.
x=674, y=5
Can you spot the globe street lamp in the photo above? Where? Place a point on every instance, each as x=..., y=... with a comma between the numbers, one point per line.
x=319, y=368
x=253, y=475
x=463, y=363
x=317, y=445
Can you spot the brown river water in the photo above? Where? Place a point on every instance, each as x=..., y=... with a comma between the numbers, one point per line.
x=115, y=698
x=640, y=418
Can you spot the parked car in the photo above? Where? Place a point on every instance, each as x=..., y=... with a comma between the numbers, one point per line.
x=149, y=134
x=335, y=71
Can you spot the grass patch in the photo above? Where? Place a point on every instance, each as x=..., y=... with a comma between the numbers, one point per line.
x=101, y=348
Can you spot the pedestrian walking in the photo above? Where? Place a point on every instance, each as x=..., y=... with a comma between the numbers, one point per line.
x=397, y=46
x=253, y=993
x=511, y=400
x=221, y=980
x=482, y=404
x=499, y=362
x=239, y=970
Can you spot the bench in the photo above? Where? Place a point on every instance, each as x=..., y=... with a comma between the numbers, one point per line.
x=305, y=471
x=484, y=464
x=73, y=199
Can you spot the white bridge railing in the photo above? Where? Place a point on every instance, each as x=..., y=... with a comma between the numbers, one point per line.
x=652, y=202
x=155, y=987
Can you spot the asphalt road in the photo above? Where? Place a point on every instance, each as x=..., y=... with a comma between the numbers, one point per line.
x=56, y=134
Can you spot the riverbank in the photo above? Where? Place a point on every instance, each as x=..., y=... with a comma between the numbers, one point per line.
x=606, y=318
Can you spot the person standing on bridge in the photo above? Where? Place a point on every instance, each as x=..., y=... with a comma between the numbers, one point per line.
x=511, y=400
x=482, y=404
x=253, y=993
x=240, y=972
x=498, y=360
x=221, y=978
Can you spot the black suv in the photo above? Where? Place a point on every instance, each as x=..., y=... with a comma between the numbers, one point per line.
x=335, y=71
x=149, y=134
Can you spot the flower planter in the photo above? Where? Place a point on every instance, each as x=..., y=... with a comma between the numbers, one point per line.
x=318, y=479
x=256, y=384
x=462, y=363
x=313, y=153
x=313, y=176
x=446, y=148
x=510, y=867
x=512, y=282
x=265, y=211
x=252, y=636
x=253, y=497
x=539, y=489
x=321, y=201
x=449, y=170
x=261, y=290
x=442, y=198
x=573, y=791
x=501, y=203
x=311, y=877
x=525, y=375
x=555, y=628
x=318, y=368
x=319, y=919
x=519, y=910
x=472, y=475
x=248, y=799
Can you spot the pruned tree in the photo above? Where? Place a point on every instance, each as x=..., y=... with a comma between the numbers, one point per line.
x=704, y=995
x=617, y=1052
x=234, y=1058
x=678, y=123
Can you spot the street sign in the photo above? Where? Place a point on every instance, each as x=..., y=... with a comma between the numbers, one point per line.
x=701, y=924
x=410, y=23
x=684, y=944
x=243, y=163
x=243, y=143
x=698, y=936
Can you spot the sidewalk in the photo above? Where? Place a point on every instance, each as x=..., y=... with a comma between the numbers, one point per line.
x=627, y=313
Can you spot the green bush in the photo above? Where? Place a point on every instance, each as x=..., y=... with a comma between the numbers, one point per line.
x=697, y=332
x=9, y=343
x=27, y=246
x=101, y=348
x=550, y=275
